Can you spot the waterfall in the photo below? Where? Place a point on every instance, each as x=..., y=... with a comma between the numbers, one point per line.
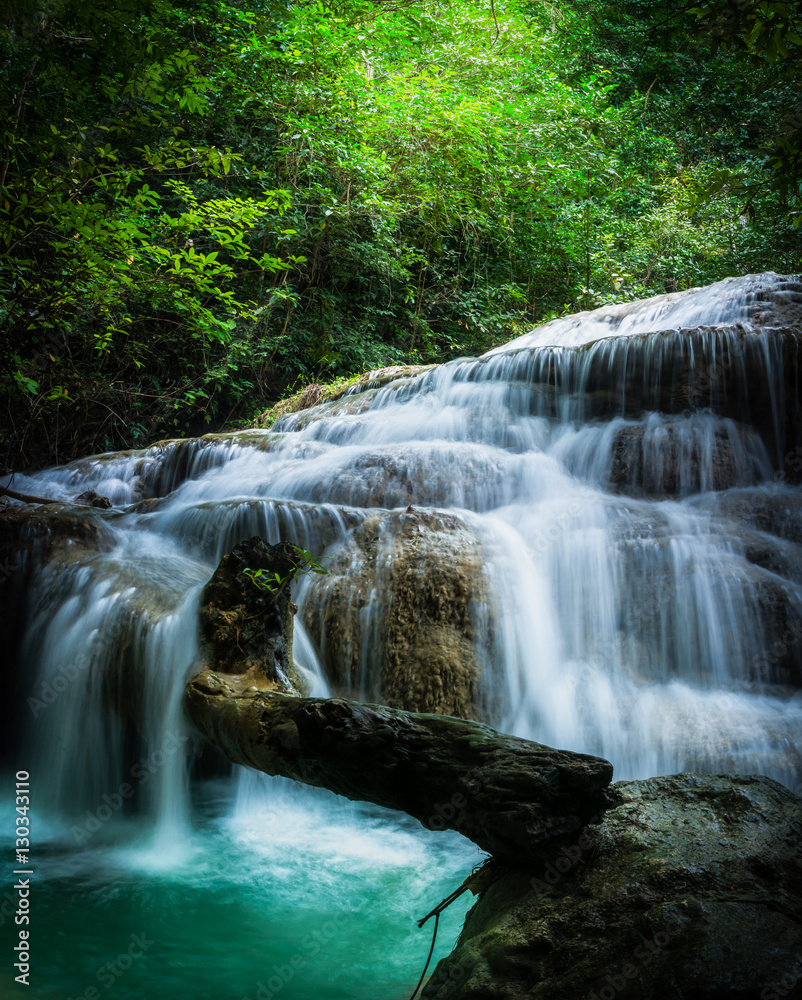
x=591, y=537
x=620, y=490
x=763, y=300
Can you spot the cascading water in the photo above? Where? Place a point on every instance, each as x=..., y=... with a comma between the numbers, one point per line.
x=751, y=302
x=617, y=518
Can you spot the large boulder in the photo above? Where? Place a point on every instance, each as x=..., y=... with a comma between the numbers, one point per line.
x=396, y=615
x=690, y=888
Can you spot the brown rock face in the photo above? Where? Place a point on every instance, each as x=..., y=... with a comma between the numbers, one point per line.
x=677, y=464
x=396, y=613
x=94, y=499
x=772, y=513
x=246, y=614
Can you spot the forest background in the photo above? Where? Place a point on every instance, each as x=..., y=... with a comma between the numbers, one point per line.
x=206, y=204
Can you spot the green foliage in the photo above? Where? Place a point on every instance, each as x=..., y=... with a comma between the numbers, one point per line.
x=723, y=78
x=129, y=249
x=202, y=203
x=767, y=32
x=304, y=564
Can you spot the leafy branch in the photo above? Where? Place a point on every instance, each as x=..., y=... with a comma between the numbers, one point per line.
x=274, y=583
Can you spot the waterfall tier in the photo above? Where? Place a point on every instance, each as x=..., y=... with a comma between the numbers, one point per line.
x=590, y=537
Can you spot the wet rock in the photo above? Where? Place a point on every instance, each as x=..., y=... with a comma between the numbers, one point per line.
x=771, y=553
x=750, y=376
x=754, y=572
x=343, y=406
x=777, y=512
x=775, y=301
x=247, y=614
x=690, y=888
x=457, y=474
x=754, y=300
x=141, y=474
x=317, y=394
x=94, y=499
x=673, y=459
x=396, y=614
x=391, y=373
x=56, y=533
x=780, y=630
x=59, y=534
x=165, y=465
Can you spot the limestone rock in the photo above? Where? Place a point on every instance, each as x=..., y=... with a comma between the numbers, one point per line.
x=749, y=376
x=317, y=396
x=774, y=512
x=94, y=499
x=678, y=462
x=689, y=889
x=396, y=615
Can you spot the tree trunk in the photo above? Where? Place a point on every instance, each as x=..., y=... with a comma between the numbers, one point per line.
x=506, y=794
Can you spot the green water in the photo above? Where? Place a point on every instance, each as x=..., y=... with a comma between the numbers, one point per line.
x=292, y=894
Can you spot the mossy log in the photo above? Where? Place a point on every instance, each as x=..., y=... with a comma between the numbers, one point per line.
x=506, y=794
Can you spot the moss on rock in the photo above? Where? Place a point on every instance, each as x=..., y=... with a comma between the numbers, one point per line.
x=316, y=392
x=246, y=627
x=690, y=888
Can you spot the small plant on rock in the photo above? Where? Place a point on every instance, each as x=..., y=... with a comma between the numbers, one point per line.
x=303, y=564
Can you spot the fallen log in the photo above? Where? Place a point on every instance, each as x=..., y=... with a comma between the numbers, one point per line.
x=508, y=795
x=90, y=497
x=23, y=497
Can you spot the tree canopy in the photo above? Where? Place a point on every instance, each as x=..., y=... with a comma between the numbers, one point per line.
x=203, y=202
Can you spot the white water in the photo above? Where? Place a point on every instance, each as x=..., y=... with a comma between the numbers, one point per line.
x=626, y=613
x=733, y=301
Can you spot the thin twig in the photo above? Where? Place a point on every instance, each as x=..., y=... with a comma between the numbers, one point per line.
x=495, y=20
x=25, y=83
